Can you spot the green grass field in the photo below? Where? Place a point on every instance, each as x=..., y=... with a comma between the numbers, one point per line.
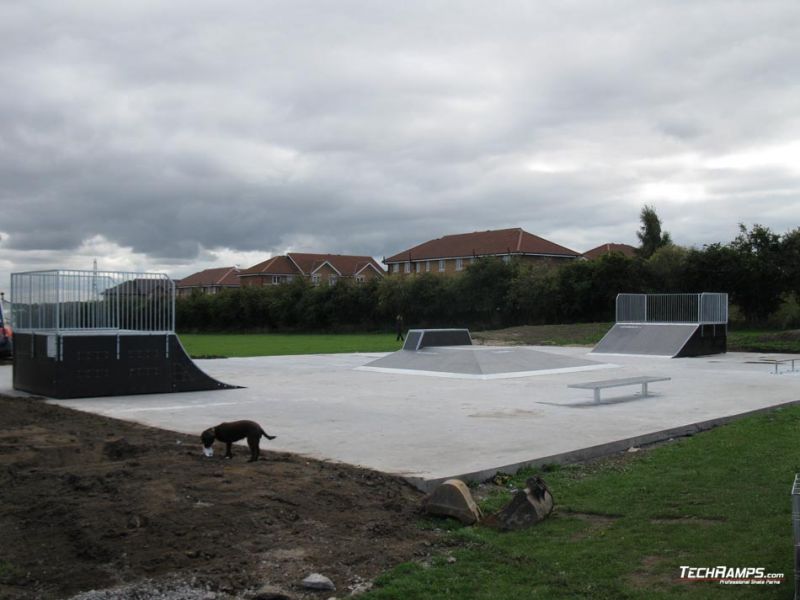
x=216, y=345
x=624, y=526
x=229, y=345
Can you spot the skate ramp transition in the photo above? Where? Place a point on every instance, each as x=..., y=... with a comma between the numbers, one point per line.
x=102, y=364
x=667, y=325
x=450, y=353
x=94, y=333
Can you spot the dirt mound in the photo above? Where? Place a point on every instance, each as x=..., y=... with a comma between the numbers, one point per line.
x=91, y=503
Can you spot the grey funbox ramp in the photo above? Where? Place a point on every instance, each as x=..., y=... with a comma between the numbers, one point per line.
x=449, y=353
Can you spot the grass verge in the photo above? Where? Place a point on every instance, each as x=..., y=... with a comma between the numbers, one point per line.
x=757, y=340
x=623, y=526
x=272, y=344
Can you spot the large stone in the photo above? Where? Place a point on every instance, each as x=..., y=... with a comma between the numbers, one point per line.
x=316, y=581
x=528, y=507
x=453, y=499
x=271, y=592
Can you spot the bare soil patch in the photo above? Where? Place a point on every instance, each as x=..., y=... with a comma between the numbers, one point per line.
x=576, y=334
x=88, y=502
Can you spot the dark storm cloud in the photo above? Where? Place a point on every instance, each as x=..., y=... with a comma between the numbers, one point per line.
x=171, y=130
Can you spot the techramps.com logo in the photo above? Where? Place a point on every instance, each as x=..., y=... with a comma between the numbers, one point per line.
x=731, y=575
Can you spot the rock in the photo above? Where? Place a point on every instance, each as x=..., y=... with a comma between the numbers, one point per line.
x=526, y=508
x=316, y=581
x=453, y=499
x=451, y=560
x=270, y=592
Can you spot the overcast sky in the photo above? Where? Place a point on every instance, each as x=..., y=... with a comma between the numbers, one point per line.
x=178, y=135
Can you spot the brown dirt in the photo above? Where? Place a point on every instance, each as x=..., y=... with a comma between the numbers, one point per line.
x=88, y=502
x=578, y=334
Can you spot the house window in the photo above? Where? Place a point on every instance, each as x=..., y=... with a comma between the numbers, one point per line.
x=396, y=267
x=507, y=258
x=276, y=279
x=441, y=265
x=360, y=279
x=427, y=266
x=332, y=280
x=407, y=267
x=315, y=279
x=472, y=260
x=459, y=264
x=418, y=267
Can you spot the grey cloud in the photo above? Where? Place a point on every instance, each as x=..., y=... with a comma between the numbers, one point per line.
x=176, y=128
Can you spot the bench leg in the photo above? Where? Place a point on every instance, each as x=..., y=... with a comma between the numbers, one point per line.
x=597, y=395
x=644, y=390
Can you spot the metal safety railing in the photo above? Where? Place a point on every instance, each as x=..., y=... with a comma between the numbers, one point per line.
x=706, y=308
x=92, y=300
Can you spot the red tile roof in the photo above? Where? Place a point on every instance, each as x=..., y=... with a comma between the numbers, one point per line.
x=483, y=243
x=223, y=276
x=603, y=249
x=277, y=265
x=300, y=263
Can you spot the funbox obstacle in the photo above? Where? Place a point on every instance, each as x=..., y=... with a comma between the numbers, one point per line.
x=449, y=353
x=668, y=325
x=81, y=334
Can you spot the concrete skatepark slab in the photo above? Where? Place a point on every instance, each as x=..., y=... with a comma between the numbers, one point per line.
x=428, y=429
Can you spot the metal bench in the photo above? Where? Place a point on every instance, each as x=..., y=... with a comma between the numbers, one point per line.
x=609, y=383
x=770, y=360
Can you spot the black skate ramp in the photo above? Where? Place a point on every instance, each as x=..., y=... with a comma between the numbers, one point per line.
x=93, y=363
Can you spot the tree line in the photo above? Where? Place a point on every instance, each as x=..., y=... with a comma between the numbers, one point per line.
x=759, y=269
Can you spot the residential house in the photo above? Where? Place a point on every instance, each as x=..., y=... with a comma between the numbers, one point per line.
x=318, y=268
x=453, y=253
x=141, y=287
x=602, y=250
x=209, y=281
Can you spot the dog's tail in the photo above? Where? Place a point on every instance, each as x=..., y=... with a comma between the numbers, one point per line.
x=266, y=435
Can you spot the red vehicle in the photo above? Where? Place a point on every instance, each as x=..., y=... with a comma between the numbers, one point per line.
x=6, y=336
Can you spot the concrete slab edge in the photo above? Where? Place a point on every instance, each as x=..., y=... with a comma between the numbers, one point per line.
x=599, y=451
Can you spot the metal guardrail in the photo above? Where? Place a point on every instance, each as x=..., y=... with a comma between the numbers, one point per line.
x=63, y=300
x=705, y=308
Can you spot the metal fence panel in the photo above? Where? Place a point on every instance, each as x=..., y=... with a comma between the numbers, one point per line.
x=705, y=308
x=67, y=300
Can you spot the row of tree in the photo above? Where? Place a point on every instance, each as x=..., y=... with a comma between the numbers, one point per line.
x=759, y=269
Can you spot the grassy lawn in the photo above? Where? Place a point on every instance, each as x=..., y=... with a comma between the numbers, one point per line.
x=623, y=526
x=215, y=345
x=584, y=334
x=751, y=340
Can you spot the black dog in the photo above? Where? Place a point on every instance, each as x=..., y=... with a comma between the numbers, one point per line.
x=233, y=432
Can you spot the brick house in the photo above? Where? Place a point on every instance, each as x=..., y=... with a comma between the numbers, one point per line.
x=209, y=281
x=318, y=268
x=602, y=250
x=452, y=253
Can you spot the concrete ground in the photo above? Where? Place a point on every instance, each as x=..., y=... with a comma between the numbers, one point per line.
x=430, y=428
